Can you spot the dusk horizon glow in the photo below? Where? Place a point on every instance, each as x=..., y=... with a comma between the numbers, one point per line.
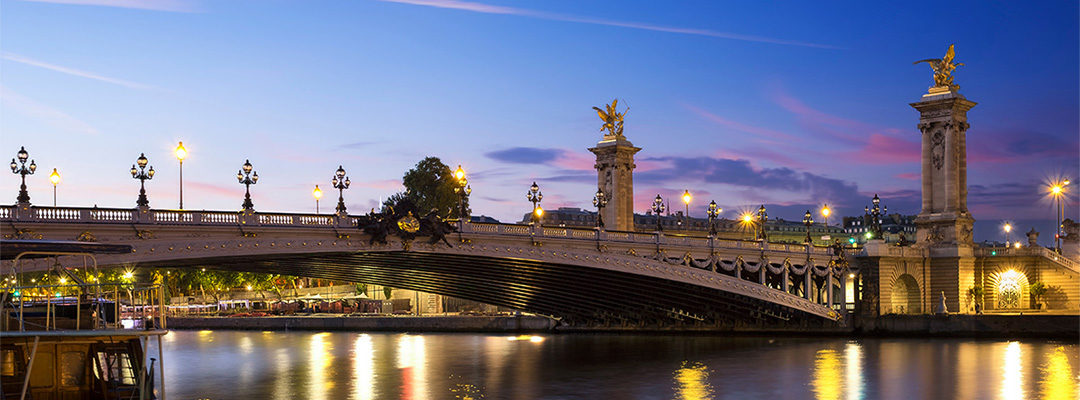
x=787, y=105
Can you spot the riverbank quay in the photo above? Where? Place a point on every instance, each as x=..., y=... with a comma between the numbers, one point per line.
x=1066, y=327
x=403, y=323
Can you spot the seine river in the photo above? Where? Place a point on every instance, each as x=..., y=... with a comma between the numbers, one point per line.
x=344, y=365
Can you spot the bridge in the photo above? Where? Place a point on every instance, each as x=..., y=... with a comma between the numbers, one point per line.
x=582, y=276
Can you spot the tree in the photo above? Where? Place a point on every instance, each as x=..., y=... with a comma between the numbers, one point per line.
x=1037, y=290
x=430, y=185
x=387, y=291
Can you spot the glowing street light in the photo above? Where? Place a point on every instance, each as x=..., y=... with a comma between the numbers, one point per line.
x=23, y=170
x=54, y=177
x=763, y=217
x=1058, y=190
x=825, y=211
x=463, y=190
x=1008, y=228
x=143, y=175
x=534, y=195
x=686, y=200
x=317, y=193
x=181, y=154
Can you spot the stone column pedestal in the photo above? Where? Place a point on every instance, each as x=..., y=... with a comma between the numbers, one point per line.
x=615, y=176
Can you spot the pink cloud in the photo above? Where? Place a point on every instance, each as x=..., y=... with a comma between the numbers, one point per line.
x=212, y=189
x=911, y=176
x=575, y=160
x=881, y=149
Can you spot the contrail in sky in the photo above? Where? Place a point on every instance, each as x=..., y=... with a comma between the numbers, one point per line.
x=491, y=9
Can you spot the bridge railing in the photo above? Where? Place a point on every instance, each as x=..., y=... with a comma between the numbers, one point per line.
x=226, y=218
x=1035, y=251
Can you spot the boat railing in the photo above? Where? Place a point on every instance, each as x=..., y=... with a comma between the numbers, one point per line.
x=81, y=306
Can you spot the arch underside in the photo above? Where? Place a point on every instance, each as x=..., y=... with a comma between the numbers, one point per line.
x=577, y=295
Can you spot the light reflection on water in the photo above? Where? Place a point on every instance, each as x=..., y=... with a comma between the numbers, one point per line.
x=363, y=366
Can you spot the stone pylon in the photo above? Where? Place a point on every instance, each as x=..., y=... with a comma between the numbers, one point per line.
x=944, y=226
x=615, y=176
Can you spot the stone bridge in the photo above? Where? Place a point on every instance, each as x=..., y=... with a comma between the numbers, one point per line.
x=579, y=275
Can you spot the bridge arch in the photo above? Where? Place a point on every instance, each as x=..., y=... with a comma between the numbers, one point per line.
x=906, y=295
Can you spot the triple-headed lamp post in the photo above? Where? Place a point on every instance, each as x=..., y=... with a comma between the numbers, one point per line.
x=23, y=170
x=712, y=213
x=874, y=230
x=808, y=220
x=181, y=154
x=340, y=182
x=247, y=177
x=658, y=208
x=143, y=175
x=54, y=177
x=763, y=217
x=535, y=196
x=599, y=201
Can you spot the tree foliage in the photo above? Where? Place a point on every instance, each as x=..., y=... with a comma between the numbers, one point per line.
x=430, y=185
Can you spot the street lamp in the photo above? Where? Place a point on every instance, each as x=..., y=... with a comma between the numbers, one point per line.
x=23, y=170
x=599, y=201
x=1058, y=191
x=825, y=211
x=763, y=217
x=54, y=177
x=808, y=220
x=658, y=208
x=317, y=193
x=463, y=191
x=181, y=154
x=1007, y=228
x=534, y=195
x=686, y=200
x=247, y=177
x=712, y=213
x=340, y=182
x=143, y=175
x=875, y=213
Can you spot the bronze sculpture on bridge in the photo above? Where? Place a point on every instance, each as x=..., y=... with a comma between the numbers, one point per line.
x=943, y=68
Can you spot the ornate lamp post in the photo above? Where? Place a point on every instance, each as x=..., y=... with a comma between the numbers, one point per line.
x=535, y=196
x=875, y=214
x=658, y=208
x=181, y=154
x=463, y=191
x=317, y=193
x=808, y=220
x=1007, y=228
x=340, y=182
x=763, y=217
x=23, y=170
x=599, y=201
x=247, y=177
x=686, y=200
x=712, y=213
x=54, y=177
x=1058, y=191
x=143, y=175
x=825, y=211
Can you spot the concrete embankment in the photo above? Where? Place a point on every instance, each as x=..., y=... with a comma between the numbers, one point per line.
x=974, y=326
x=523, y=323
x=966, y=325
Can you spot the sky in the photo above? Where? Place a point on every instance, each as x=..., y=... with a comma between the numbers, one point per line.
x=788, y=104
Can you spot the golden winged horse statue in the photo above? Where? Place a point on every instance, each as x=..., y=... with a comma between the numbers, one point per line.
x=943, y=68
x=613, y=120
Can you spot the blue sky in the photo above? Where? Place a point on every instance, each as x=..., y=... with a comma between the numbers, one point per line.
x=784, y=103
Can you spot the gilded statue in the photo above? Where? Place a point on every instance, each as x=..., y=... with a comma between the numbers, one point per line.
x=943, y=68
x=613, y=120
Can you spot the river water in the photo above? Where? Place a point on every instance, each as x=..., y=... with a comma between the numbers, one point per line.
x=346, y=365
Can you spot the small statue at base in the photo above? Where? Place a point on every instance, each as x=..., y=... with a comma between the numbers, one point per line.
x=942, y=309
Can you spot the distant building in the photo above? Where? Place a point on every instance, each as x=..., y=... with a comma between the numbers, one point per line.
x=892, y=227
